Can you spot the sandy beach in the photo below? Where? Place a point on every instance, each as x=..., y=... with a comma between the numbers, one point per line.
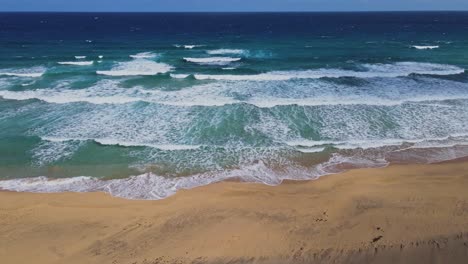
x=398, y=214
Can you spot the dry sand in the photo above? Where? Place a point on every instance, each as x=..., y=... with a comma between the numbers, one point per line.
x=399, y=214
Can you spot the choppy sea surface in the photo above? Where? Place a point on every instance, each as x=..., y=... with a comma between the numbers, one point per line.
x=142, y=105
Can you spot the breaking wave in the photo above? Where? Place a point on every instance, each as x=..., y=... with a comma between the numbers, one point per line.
x=137, y=67
x=188, y=46
x=400, y=69
x=33, y=72
x=212, y=60
x=226, y=51
x=76, y=63
x=425, y=47
x=144, y=55
x=379, y=92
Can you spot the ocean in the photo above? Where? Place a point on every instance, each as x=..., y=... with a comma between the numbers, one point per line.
x=141, y=105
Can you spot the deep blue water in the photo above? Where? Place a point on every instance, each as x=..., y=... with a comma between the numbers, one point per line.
x=187, y=99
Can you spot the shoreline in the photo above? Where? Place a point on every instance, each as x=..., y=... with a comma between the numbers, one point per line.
x=410, y=213
x=151, y=186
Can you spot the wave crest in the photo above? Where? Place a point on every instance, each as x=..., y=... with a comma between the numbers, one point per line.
x=33, y=72
x=212, y=60
x=76, y=63
x=399, y=69
x=144, y=55
x=226, y=51
x=137, y=67
x=425, y=47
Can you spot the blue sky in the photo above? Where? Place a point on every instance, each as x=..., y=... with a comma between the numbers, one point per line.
x=230, y=5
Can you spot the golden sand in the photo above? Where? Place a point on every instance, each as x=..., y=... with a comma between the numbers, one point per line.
x=399, y=214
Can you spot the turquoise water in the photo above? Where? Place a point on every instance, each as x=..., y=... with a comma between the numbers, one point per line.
x=141, y=105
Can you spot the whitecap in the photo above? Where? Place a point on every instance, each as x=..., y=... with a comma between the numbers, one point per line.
x=226, y=51
x=191, y=46
x=212, y=60
x=425, y=47
x=427, y=142
x=278, y=94
x=34, y=72
x=310, y=150
x=80, y=57
x=399, y=69
x=144, y=55
x=137, y=67
x=109, y=92
x=188, y=46
x=119, y=142
x=27, y=84
x=76, y=63
x=179, y=76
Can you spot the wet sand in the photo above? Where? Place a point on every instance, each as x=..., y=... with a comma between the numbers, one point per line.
x=398, y=214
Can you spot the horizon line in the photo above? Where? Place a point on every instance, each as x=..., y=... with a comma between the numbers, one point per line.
x=233, y=12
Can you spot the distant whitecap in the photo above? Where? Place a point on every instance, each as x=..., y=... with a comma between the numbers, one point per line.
x=212, y=60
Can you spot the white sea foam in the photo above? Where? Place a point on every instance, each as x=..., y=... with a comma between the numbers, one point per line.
x=310, y=150
x=27, y=84
x=149, y=186
x=32, y=75
x=66, y=97
x=153, y=187
x=80, y=57
x=212, y=60
x=415, y=143
x=226, y=51
x=144, y=55
x=76, y=63
x=350, y=127
x=310, y=143
x=118, y=142
x=425, y=47
x=137, y=67
x=125, y=125
x=168, y=147
x=109, y=92
x=47, y=152
x=33, y=72
x=179, y=76
x=352, y=144
x=100, y=56
x=269, y=102
x=188, y=46
x=369, y=71
x=281, y=94
x=193, y=46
